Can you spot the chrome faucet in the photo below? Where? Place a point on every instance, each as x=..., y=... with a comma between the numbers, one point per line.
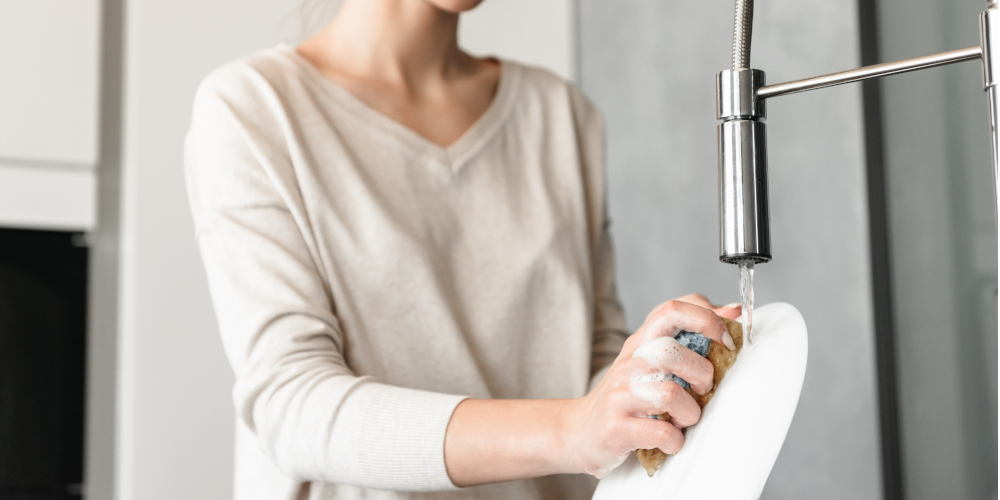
x=744, y=226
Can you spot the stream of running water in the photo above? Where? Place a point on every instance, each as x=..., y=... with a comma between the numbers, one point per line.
x=746, y=299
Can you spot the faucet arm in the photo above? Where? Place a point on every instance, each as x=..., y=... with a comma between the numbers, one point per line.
x=874, y=71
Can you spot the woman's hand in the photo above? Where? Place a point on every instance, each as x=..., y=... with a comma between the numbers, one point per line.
x=603, y=427
x=493, y=440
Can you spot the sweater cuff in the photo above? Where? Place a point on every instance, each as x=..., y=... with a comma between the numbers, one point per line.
x=400, y=439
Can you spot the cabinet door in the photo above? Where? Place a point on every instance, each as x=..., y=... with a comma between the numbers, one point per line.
x=49, y=59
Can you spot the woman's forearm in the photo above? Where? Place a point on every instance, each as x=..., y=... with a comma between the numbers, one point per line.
x=489, y=441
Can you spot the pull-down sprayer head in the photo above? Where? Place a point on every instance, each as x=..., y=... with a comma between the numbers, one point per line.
x=744, y=224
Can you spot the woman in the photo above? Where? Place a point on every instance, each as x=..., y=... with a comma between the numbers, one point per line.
x=409, y=257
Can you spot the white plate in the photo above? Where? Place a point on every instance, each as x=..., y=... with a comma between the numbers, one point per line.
x=729, y=453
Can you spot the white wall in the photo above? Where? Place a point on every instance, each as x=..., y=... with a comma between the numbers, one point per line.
x=175, y=418
x=535, y=32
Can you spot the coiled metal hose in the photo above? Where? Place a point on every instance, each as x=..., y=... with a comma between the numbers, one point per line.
x=742, y=31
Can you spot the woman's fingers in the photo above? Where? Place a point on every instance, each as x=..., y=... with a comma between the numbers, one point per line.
x=731, y=311
x=674, y=316
x=666, y=355
x=698, y=300
x=649, y=433
x=652, y=395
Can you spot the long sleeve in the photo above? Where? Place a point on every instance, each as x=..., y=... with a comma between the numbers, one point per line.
x=609, y=318
x=609, y=331
x=312, y=417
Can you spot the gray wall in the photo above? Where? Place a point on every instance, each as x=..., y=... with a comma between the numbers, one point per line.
x=944, y=252
x=649, y=65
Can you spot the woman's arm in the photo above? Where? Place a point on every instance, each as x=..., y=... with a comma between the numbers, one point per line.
x=500, y=440
x=313, y=418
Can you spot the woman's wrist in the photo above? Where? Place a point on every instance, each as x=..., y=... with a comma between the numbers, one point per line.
x=567, y=435
x=490, y=441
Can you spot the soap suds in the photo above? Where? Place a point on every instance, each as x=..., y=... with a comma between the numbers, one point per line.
x=648, y=387
x=660, y=351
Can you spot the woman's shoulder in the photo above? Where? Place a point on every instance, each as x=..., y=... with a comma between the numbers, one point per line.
x=539, y=85
x=250, y=82
x=543, y=84
x=538, y=77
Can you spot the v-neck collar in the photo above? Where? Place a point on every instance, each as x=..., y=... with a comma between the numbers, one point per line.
x=454, y=155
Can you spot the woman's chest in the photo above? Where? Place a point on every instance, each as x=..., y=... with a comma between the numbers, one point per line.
x=487, y=260
x=513, y=213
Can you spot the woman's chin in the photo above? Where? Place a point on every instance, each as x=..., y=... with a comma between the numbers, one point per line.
x=455, y=6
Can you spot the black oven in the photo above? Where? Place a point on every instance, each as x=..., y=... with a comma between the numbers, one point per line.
x=43, y=305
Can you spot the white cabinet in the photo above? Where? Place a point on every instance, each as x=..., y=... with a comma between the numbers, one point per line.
x=49, y=67
x=47, y=198
x=49, y=74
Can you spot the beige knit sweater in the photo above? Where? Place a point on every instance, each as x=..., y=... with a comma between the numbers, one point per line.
x=367, y=280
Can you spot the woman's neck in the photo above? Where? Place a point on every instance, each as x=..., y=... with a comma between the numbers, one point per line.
x=401, y=58
x=400, y=42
